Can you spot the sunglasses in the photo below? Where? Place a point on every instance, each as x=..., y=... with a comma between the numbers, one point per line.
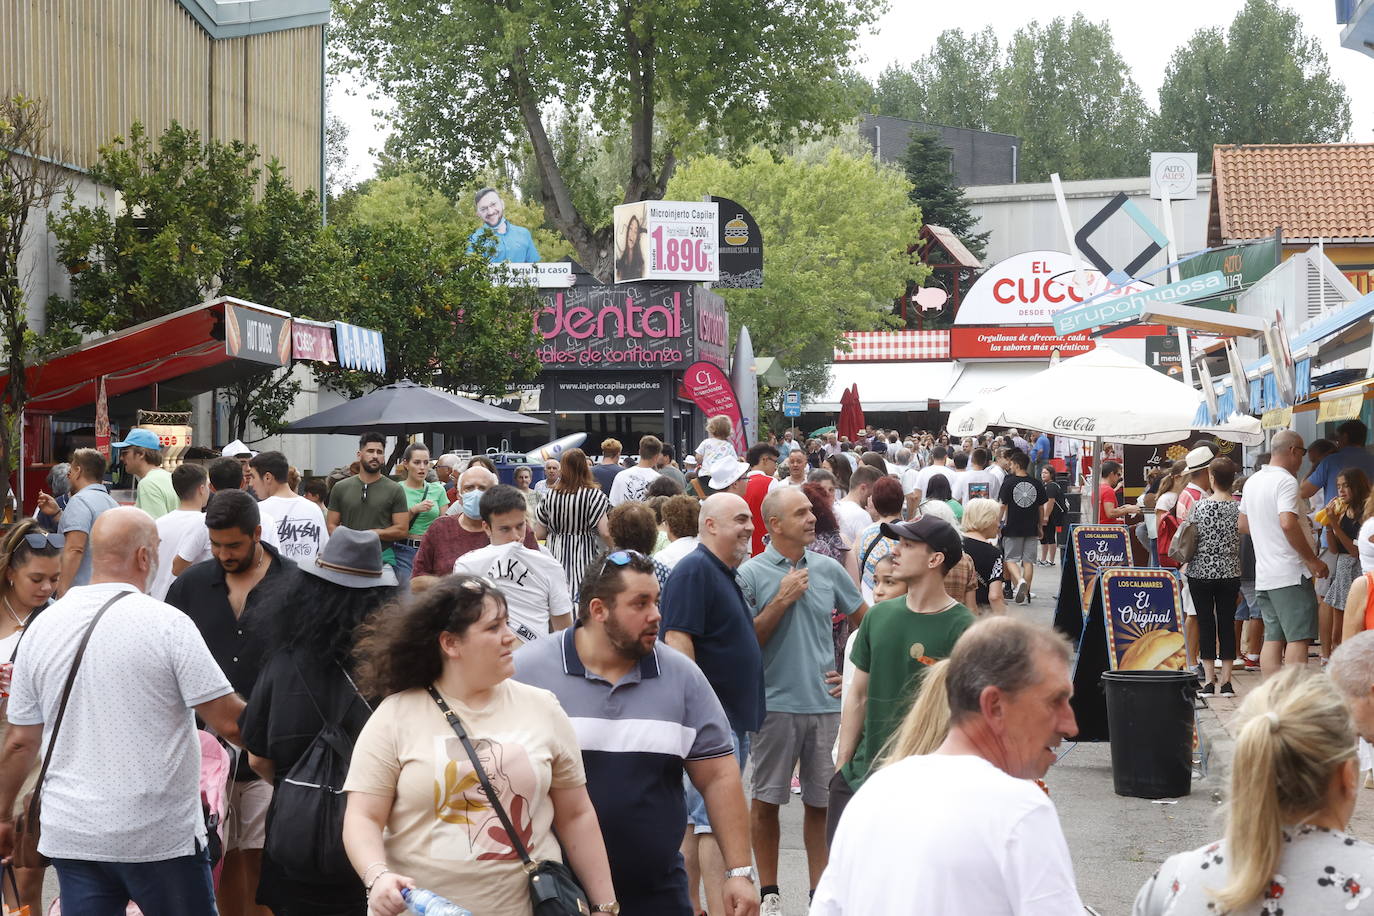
x=37, y=540
x=620, y=558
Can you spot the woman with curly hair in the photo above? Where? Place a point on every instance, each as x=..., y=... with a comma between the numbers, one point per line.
x=417, y=814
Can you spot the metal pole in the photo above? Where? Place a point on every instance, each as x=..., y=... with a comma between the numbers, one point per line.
x=1094, y=479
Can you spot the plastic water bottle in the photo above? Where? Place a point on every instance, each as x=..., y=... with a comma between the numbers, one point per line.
x=428, y=903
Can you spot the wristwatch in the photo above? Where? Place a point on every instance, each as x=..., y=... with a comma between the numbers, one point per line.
x=613, y=908
x=744, y=871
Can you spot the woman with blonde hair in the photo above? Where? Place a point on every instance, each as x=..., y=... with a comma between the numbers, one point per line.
x=1293, y=789
x=926, y=723
x=980, y=523
x=717, y=445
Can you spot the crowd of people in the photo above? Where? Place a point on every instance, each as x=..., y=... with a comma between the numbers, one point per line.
x=423, y=677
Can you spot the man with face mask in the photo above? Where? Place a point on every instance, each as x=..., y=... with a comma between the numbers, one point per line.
x=458, y=532
x=612, y=677
x=369, y=500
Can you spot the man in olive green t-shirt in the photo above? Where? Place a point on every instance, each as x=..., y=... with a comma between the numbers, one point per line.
x=369, y=501
x=896, y=642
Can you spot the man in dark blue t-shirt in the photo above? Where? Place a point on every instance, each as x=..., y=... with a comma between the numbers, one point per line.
x=706, y=617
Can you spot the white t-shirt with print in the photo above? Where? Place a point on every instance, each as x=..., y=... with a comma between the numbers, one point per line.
x=632, y=484
x=944, y=835
x=534, y=584
x=712, y=450
x=853, y=519
x=300, y=527
x=1269, y=492
x=921, y=479
x=970, y=480
x=124, y=783
x=195, y=546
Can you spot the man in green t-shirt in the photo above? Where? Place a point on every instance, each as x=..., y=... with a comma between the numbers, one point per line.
x=141, y=453
x=369, y=501
x=896, y=642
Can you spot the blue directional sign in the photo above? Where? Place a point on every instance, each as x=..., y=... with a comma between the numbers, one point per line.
x=791, y=403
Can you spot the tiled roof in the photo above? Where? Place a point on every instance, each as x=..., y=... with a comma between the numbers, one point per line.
x=1311, y=190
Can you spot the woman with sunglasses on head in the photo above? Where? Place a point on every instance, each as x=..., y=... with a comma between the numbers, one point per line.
x=30, y=563
x=417, y=813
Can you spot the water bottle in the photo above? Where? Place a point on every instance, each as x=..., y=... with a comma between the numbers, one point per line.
x=428, y=903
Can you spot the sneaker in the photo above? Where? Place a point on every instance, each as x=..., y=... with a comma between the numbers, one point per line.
x=771, y=906
x=1228, y=689
x=1250, y=664
x=796, y=786
x=1199, y=673
x=1209, y=689
x=1023, y=592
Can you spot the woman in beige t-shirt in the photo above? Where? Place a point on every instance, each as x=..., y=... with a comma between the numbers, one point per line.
x=411, y=778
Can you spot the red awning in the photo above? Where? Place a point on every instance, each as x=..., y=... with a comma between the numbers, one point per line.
x=184, y=353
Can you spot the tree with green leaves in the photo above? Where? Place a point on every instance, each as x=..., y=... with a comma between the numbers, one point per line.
x=1068, y=94
x=1262, y=81
x=28, y=183
x=836, y=225
x=934, y=190
x=953, y=84
x=473, y=81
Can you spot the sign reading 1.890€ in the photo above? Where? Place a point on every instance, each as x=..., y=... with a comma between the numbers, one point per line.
x=666, y=240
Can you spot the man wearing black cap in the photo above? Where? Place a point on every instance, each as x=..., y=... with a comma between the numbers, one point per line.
x=897, y=640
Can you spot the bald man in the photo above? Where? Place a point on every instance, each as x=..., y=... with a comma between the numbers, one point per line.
x=1285, y=562
x=144, y=669
x=706, y=616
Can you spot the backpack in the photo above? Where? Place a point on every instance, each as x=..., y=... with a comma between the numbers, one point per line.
x=1166, y=529
x=305, y=821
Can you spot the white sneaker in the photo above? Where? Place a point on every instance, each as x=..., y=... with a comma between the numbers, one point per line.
x=771, y=906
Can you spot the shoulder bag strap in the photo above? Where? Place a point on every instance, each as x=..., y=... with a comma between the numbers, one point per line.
x=67, y=689
x=456, y=724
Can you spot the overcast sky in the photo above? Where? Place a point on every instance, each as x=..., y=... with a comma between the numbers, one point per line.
x=1146, y=34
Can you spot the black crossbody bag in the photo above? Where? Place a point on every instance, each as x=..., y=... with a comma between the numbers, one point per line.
x=554, y=890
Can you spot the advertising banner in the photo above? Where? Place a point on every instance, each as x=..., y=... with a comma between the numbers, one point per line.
x=1107, y=311
x=741, y=247
x=1096, y=547
x=102, y=421
x=631, y=326
x=666, y=240
x=174, y=441
x=1143, y=616
x=1029, y=288
x=710, y=389
x=359, y=348
x=1241, y=265
x=605, y=393
x=312, y=341
x=260, y=337
x=1162, y=355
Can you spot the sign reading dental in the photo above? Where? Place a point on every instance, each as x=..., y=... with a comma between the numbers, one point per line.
x=631, y=326
x=1028, y=288
x=1108, y=310
x=666, y=240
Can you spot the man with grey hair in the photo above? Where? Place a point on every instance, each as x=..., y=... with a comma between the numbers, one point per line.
x=1352, y=670
x=965, y=829
x=446, y=472
x=1285, y=562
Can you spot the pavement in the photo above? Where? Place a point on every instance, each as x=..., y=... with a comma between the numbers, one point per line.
x=1117, y=843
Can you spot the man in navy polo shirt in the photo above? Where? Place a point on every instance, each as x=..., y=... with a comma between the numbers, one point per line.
x=643, y=712
x=706, y=617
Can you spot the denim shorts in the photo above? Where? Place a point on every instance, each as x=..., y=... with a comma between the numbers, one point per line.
x=696, y=805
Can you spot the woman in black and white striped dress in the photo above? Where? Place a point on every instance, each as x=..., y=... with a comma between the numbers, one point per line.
x=572, y=516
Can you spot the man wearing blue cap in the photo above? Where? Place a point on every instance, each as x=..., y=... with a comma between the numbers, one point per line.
x=141, y=452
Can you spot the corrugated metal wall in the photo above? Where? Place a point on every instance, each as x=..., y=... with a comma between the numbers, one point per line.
x=103, y=64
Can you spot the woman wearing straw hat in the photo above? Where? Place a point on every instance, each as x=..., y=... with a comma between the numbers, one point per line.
x=309, y=670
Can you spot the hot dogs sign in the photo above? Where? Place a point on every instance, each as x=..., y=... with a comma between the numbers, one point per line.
x=257, y=334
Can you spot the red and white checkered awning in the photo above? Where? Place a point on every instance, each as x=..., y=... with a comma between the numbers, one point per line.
x=904, y=346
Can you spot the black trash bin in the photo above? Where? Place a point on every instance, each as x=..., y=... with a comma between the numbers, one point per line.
x=1150, y=721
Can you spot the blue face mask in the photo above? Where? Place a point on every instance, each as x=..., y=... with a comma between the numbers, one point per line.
x=472, y=502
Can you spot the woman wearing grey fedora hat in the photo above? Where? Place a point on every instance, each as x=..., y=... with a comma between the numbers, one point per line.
x=308, y=674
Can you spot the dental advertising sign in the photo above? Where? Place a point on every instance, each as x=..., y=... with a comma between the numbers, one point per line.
x=632, y=326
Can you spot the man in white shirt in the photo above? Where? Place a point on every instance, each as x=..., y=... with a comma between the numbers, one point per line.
x=853, y=511
x=225, y=474
x=915, y=483
x=301, y=531
x=117, y=826
x=965, y=830
x=978, y=482
x=533, y=582
x=633, y=483
x=192, y=489
x=1285, y=563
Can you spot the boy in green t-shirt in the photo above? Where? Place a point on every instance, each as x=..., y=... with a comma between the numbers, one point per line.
x=897, y=640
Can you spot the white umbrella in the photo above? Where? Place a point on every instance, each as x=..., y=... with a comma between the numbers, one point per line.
x=1101, y=394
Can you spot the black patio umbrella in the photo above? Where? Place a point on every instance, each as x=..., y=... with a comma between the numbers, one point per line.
x=405, y=407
